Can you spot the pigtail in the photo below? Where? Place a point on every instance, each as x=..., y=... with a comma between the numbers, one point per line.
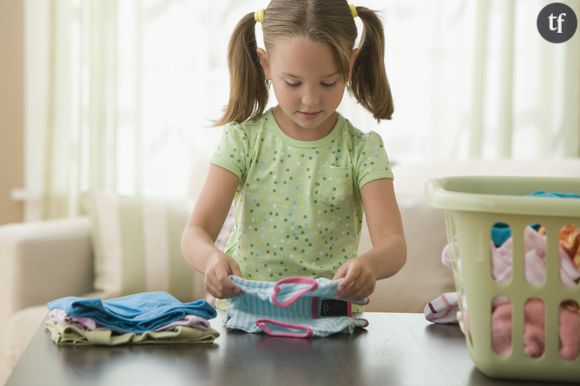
x=369, y=83
x=248, y=91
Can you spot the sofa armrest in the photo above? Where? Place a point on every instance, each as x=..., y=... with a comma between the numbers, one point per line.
x=42, y=261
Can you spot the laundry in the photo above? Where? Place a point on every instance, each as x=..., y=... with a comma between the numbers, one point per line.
x=445, y=308
x=143, y=318
x=136, y=313
x=192, y=321
x=501, y=261
x=69, y=335
x=296, y=307
x=535, y=255
x=88, y=324
x=570, y=243
x=534, y=330
x=61, y=317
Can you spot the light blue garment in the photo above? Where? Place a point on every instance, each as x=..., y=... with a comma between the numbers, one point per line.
x=289, y=309
x=541, y=193
x=136, y=313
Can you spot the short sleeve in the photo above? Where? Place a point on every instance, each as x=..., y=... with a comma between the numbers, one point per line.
x=371, y=161
x=232, y=151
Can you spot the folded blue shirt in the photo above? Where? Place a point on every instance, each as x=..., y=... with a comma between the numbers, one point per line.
x=135, y=313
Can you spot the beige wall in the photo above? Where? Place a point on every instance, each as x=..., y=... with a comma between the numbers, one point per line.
x=11, y=108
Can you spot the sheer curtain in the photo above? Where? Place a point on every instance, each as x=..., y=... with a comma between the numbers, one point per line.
x=133, y=86
x=474, y=79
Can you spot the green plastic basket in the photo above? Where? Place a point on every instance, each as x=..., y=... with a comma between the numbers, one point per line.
x=472, y=206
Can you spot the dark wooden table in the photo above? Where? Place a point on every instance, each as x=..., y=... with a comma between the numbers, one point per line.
x=396, y=349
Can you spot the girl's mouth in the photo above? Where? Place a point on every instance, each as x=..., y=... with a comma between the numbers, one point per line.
x=308, y=115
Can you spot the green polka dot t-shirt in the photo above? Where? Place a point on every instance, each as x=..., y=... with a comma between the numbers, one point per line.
x=298, y=209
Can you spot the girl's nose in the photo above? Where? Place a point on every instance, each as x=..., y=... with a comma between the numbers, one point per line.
x=310, y=97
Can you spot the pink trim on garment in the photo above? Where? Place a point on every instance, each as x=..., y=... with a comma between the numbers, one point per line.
x=262, y=323
x=293, y=280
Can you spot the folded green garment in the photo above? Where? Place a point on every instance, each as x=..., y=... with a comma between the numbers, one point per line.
x=64, y=335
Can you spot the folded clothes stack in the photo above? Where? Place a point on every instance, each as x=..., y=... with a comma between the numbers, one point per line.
x=143, y=318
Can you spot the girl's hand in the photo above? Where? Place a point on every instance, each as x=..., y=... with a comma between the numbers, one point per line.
x=217, y=282
x=358, y=277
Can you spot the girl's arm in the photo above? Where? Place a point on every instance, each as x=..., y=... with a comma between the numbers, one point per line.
x=389, y=251
x=203, y=227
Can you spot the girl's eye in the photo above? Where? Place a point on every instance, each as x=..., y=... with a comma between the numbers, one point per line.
x=323, y=84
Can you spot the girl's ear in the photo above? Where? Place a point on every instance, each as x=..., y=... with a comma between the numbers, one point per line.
x=263, y=55
x=353, y=57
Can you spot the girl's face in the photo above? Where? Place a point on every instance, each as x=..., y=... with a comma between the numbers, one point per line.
x=307, y=85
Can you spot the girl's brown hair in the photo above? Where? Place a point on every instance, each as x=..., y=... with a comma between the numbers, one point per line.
x=325, y=21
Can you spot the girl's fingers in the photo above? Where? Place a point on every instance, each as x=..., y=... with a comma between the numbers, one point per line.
x=341, y=272
x=231, y=289
x=222, y=293
x=212, y=290
x=352, y=275
x=219, y=285
x=235, y=269
x=228, y=287
x=360, y=288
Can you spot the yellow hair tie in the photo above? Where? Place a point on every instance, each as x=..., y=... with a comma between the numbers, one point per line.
x=353, y=11
x=259, y=15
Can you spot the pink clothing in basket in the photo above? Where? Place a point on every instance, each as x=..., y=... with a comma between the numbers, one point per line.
x=534, y=330
x=535, y=254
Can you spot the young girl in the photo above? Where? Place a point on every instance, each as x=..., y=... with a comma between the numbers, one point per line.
x=299, y=174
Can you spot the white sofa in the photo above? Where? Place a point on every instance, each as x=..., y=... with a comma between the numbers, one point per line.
x=46, y=260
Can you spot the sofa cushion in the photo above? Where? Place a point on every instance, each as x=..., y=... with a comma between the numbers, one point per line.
x=137, y=246
x=423, y=277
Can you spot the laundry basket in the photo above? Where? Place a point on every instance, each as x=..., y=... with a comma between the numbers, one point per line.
x=473, y=206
